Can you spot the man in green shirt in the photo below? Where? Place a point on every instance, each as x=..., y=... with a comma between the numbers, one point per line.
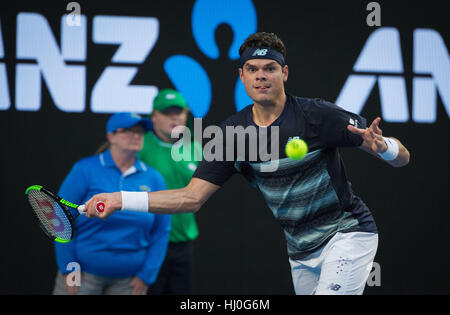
x=170, y=110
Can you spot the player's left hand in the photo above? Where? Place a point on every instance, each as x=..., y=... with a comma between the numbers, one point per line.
x=373, y=136
x=112, y=201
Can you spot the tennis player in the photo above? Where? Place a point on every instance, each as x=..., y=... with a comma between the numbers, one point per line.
x=330, y=233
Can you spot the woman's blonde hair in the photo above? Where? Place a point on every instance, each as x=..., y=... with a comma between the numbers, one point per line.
x=105, y=146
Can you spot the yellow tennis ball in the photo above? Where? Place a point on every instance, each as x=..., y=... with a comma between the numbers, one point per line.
x=296, y=149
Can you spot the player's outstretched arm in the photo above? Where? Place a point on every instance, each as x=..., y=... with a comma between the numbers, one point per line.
x=375, y=144
x=187, y=199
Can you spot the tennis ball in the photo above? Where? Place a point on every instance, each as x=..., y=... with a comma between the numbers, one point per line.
x=296, y=149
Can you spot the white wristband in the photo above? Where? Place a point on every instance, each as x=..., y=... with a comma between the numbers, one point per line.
x=392, y=150
x=135, y=201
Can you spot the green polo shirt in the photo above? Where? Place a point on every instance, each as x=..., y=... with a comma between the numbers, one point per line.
x=177, y=174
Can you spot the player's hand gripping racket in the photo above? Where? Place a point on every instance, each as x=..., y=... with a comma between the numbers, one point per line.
x=56, y=216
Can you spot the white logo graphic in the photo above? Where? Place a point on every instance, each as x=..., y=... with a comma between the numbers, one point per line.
x=62, y=68
x=74, y=277
x=235, y=140
x=260, y=52
x=374, y=278
x=192, y=166
x=381, y=62
x=374, y=17
x=353, y=122
x=135, y=36
x=73, y=19
x=4, y=89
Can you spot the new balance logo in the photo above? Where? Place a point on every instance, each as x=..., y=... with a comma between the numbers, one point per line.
x=260, y=52
x=291, y=138
x=353, y=122
x=334, y=287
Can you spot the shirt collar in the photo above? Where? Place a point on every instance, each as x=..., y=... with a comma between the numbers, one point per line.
x=106, y=160
x=160, y=142
x=276, y=122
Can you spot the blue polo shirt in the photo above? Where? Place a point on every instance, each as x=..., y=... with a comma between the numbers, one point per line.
x=127, y=243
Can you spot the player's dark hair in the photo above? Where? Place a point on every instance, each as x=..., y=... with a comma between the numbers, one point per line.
x=263, y=39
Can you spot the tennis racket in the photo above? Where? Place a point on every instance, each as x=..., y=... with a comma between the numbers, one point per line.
x=55, y=215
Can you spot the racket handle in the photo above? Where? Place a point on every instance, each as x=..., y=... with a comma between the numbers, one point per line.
x=100, y=207
x=81, y=209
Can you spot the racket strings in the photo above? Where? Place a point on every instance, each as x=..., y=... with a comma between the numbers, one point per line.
x=50, y=215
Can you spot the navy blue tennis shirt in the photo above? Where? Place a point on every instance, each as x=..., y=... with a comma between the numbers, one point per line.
x=311, y=198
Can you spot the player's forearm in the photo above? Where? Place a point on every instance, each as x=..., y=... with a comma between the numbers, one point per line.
x=184, y=200
x=402, y=158
x=173, y=201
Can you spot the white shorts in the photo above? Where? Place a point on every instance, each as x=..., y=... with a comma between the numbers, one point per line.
x=341, y=267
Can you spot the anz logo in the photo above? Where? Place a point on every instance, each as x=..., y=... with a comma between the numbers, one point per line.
x=63, y=67
x=64, y=72
x=380, y=61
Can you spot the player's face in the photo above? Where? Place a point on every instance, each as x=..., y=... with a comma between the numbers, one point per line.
x=129, y=139
x=164, y=121
x=263, y=80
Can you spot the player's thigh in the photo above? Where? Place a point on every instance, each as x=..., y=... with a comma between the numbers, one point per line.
x=304, y=278
x=347, y=264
